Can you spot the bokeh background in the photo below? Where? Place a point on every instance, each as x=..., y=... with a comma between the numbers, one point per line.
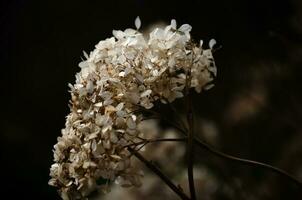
x=254, y=111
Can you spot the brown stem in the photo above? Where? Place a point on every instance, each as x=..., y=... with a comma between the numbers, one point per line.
x=190, y=148
x=160, y=174
x=190, y=143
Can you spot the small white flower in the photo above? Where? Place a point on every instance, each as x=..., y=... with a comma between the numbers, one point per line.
x=137, y=22
x=212, y=43
x=173, y=24
x=185, y=28
x=146, y=93
x=200, y=43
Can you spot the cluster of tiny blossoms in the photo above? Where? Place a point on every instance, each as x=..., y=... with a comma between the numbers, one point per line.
x=123, y=73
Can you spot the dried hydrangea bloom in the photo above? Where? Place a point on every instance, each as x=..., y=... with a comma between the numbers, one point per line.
x=122, y=72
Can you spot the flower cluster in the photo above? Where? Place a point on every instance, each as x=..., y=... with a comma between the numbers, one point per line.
x=123, y=73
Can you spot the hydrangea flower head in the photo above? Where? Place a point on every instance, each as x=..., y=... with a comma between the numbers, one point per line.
x=122, y=72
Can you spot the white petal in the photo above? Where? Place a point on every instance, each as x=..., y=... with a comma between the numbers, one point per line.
x=122, y=74
x=146, y=93
x=122, y=59
x=83, y=64
x=89, y=87
x=185, y=28
x=207, y=87
x=133, y=117
x=100, y=104
x=201, y=43
x=118, y=34
x=85, y=54
x=173, y=23
x=212, y=43
x=178, y=94
x=116, y=157
x=120, y=106
x=137, y=22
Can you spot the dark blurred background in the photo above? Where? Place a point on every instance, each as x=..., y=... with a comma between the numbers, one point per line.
x=254, y=111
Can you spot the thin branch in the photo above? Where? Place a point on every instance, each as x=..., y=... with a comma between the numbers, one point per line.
x=160, y=174
x=147, y=141
x=218, y=153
